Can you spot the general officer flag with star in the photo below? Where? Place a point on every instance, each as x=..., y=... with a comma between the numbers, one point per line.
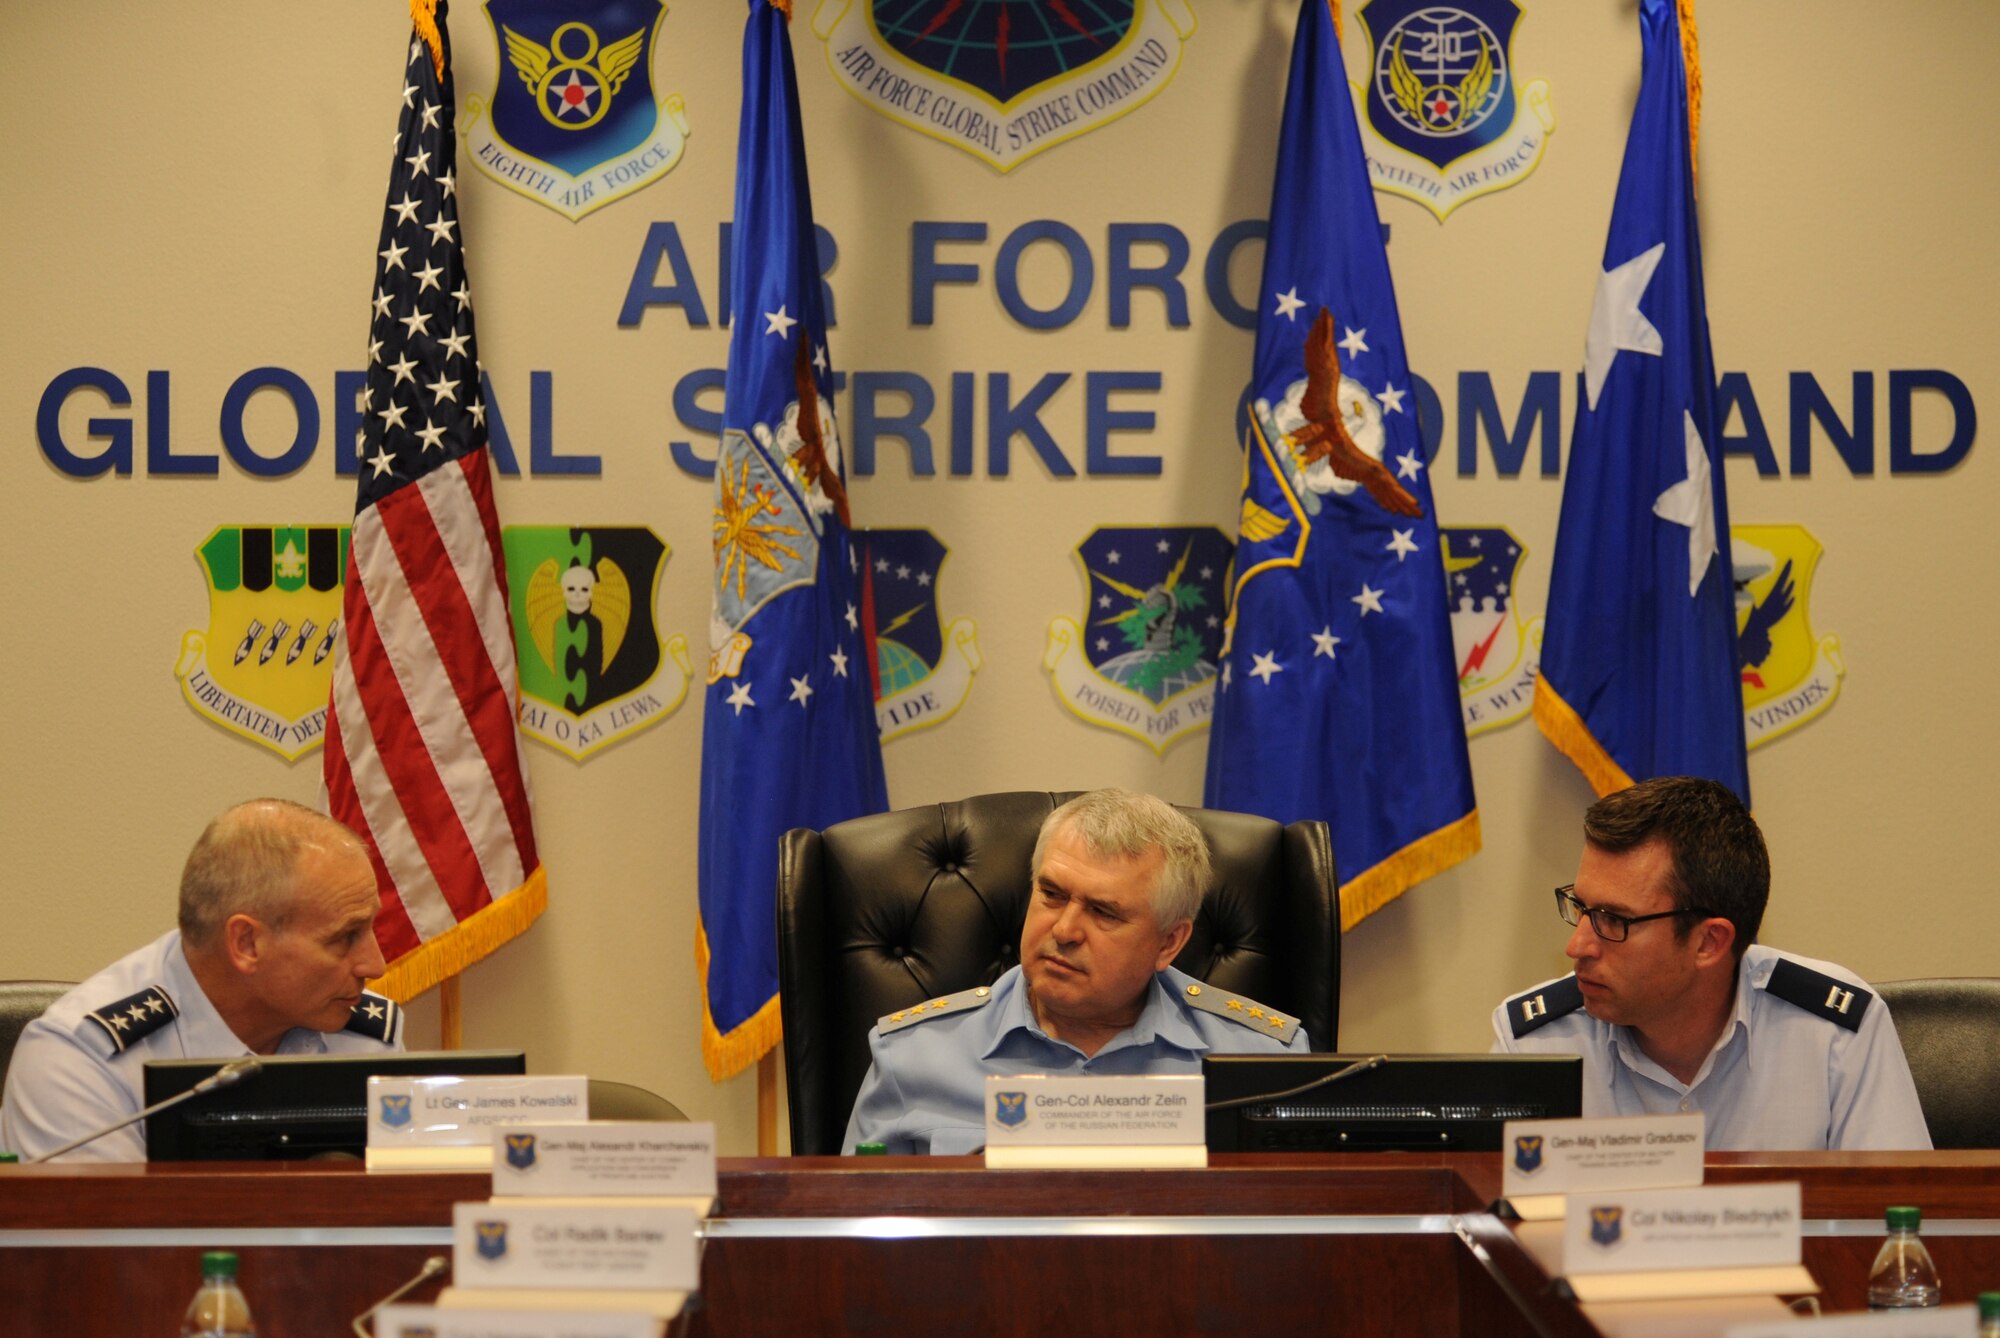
x=1639, y=675
x=1338, y=696
x=788, y=724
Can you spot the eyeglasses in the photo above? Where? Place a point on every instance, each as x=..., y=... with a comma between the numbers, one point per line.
x=1610, y=926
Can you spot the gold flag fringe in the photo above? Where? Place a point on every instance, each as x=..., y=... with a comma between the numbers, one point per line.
x=1375, y=888
x=1691, y=59
x=725, y=1056
x=478, y=934
x=1563, y=727
x=423, y=17
x=1333, y=8
x=783, y=7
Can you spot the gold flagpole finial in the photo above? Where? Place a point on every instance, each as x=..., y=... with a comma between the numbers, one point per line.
x=423, y=17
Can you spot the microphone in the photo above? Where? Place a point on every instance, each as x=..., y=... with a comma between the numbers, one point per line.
x=1358, y=1066
x=433, y=1266
x=227, y=1076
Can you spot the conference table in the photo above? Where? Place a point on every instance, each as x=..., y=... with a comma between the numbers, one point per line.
x=1388, y=1243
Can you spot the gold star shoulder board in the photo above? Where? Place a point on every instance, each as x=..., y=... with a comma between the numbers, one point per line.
x=375, y=1017
x=1244, y=1012
x=1818, y=993
x=964, y=1001
x=1543, y=1005
x=136, y=1016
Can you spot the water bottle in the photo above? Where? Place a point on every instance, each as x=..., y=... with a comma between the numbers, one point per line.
x=218, y=1309
x=1989, y=1315
x=1903, y=1278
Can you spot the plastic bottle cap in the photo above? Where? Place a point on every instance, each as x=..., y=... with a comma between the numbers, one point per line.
x=1904, y=1219
x=218, y=1264
x=871, y=1149
x=1989, y=1305
x=9, y=1157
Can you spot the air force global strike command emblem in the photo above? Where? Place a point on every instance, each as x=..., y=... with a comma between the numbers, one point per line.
x=1142, y=658
x=575, y=120
x=1607, y=1226
x=1442, y=119
x=593, y=668
x=395, y=1111
x=1499, y=651
x=923, y=665
x=1010, y=1109
x=521, y=1151
x=1789, y=674
x=1528, y=1154
x=1003, y=79
x=264, y=667
x=491, y=1238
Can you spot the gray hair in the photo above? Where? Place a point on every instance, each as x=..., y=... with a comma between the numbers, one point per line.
x=246, y=861
x=1119, y=824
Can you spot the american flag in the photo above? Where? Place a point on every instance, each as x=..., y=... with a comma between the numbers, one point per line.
x=422, y=755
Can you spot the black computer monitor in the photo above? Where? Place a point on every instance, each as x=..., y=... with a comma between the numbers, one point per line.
x=297, y=1106
x=1407, y=1103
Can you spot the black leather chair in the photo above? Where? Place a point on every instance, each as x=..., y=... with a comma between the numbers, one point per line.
x=21, y=1002
x=1950, y=1029
x=886, y=911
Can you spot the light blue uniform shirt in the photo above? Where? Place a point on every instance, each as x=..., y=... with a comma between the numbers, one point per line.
x=69, y=1076
x=925, y=1091
x=1782, y=1076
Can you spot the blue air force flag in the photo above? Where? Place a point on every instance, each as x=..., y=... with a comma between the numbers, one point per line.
x=788, y=729
x=1338, y=696
x=1639, y=673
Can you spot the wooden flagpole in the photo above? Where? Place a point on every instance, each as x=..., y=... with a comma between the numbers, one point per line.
x=451, y=1019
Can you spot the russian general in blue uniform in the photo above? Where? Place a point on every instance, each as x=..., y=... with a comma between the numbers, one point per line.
x=1675, y=1008
x=276, y=939
x=1118, y=878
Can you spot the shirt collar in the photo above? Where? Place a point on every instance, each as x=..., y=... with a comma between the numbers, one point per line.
x=1159, y=1018
x=1738, y=1022
x=205, y=1035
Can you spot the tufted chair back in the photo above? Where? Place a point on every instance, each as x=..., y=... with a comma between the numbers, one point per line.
x=889, y=910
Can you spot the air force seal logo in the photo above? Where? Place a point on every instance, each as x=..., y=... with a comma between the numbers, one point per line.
x=491, y=1239
x=395, y=1111
x=264, y=667
x=1442, y=120
x=1499, y=652
x=1528, y=1154
x=1004, y=79
x=1010, y=1109
x=1142, y=659
x=574, y=120
x=592, y=667
x=1789, y=675
x=1607, y=1226
x=521, y=1151
x=923, y=665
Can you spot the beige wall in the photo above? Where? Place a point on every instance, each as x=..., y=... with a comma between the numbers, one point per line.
x=196, y=189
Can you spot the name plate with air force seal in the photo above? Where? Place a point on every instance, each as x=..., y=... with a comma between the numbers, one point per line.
x=609, y=1159
x=1542, y=1160
x=506, y=1255
x=447, y=1122
x=1655, y=1244
x=422, y=1321
x=1952, y=1321
x=1041, y=1122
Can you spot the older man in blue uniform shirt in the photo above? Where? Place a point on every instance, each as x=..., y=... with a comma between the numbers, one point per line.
x=276, y=939
x=1674, y=1006
x=1118, y=878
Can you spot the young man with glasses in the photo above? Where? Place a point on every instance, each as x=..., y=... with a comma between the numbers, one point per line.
x=1675, y=1007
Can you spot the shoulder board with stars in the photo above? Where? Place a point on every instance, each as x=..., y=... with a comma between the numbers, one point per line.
x=375, y=1016
x=1818, y=993
x=1539, y=1007
x=135, y=1017
x=962, y=1002
x=1247, y=1012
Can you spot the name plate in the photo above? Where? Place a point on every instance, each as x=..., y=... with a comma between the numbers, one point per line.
x=1571, y=1156
x=627, y=1158
x=463, y=1112
x=422, y=1321
x=1648, y=1230
x=1951, y=1321
x=1094, y=1112
x=528, y=1244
